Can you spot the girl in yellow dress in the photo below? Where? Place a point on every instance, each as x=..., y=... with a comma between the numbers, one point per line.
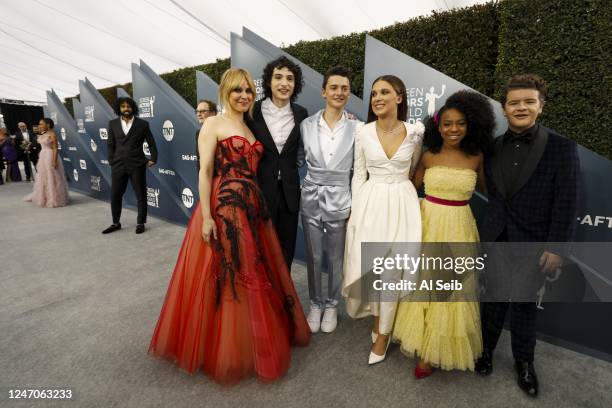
x=447, y=334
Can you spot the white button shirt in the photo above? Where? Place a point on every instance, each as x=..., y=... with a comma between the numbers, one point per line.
x=279, y=121
x=126, y=126
x=26, y=136
x=330, y=138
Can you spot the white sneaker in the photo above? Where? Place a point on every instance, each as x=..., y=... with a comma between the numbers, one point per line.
x=330, y=320
x=314, y=319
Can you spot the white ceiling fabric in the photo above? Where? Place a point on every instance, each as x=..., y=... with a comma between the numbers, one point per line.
x=51, y=44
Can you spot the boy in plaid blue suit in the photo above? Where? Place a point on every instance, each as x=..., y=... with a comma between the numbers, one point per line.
x=531, y=175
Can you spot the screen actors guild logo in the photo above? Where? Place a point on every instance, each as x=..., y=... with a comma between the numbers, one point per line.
x=75, y=174
x=63, y=133
x=93, y=145
x=145, y=149
x=83, y=164
x=145, y=106
x=153, y=197
x=103, y=134
x=89, y=113
x=168, y=130
x=419, y=99
x=81, y=126
x=95, y=183
x=187, y=197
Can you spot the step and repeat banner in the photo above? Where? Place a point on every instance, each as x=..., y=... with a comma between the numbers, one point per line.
x=172, y=182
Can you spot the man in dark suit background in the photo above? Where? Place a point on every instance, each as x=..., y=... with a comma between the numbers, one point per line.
x=28, y=155
x=276, y=124
x=531, y=174
x=126, y=135
x=204, y=109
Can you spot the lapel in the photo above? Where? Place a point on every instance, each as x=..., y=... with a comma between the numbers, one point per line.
x=260, y=129
x=314, y=139
x=346, y=143
x=496, y=165
x=533, y=158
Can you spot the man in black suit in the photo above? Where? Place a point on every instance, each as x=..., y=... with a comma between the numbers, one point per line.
x=276, y=124
x=531, y=175
x=126, y=136
x=27, y=152
x=205, y=109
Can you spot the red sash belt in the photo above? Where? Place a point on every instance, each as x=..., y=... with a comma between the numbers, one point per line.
x=446, y=202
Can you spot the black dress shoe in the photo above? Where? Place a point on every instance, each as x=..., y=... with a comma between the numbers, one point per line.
x=527, y=378
x=484, y=365
x=112, y=228
x=140, y=228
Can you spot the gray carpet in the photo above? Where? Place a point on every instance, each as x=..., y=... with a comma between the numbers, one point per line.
x=77, y=310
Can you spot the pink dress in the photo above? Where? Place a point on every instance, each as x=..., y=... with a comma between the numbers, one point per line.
x=50, y=187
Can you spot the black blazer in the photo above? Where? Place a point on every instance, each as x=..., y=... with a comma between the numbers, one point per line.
x=34, y=147
x=272, y=161
x=542, y=205
x=126, y=150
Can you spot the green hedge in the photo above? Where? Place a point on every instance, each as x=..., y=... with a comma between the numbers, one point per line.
x=565, y=41
x=568, y=43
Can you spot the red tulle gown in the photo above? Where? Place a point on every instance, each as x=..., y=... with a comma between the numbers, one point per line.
x=231, y=308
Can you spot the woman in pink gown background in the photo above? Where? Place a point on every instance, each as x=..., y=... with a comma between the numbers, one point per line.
x=50, y=187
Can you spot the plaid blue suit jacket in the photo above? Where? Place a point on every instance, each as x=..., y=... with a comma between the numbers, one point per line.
x=541, y=207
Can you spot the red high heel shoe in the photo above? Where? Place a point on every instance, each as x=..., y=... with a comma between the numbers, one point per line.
x=420, y=372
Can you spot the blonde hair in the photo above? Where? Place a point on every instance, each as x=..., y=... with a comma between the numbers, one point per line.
x=231, y=79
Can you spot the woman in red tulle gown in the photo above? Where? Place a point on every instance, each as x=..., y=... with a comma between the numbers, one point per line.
x=231, y=309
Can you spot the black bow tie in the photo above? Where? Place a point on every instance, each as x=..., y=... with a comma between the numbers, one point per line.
x=525, y=137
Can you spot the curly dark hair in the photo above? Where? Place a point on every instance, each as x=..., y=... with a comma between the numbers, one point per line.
x=524, y=81
x=282, y=62
x=130, y=101
x=480, y=123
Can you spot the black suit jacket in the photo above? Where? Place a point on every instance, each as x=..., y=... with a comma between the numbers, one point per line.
x=541, y=207
x=126, y=150
x=272, y=161
x=34, y=147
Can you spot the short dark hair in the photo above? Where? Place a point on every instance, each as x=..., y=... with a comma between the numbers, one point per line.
x=49, y=122
x=130, y=101
x=340, y=71
x=480, y=123
x=211, y=105
x=524, y=81
x=400, y=89
x=282, y=62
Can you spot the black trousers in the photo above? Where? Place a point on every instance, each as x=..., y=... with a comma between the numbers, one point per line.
x=286, y=223
x=522, y=327
x=138, y=179
x=27, y=165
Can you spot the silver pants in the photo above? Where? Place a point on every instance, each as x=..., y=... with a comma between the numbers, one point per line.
x=324, y=242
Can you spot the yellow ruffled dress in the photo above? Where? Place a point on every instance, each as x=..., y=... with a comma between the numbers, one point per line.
x=446, y=335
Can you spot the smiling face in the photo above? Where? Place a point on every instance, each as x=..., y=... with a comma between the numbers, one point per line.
x=522, y=108
x=282, y=84
x=241, y=98
x=452, y=127
x=337, y=91
x=384, y=99
x=22, y=126
x=42, y=126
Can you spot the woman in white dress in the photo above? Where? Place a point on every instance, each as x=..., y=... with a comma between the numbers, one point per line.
x=385, y=203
